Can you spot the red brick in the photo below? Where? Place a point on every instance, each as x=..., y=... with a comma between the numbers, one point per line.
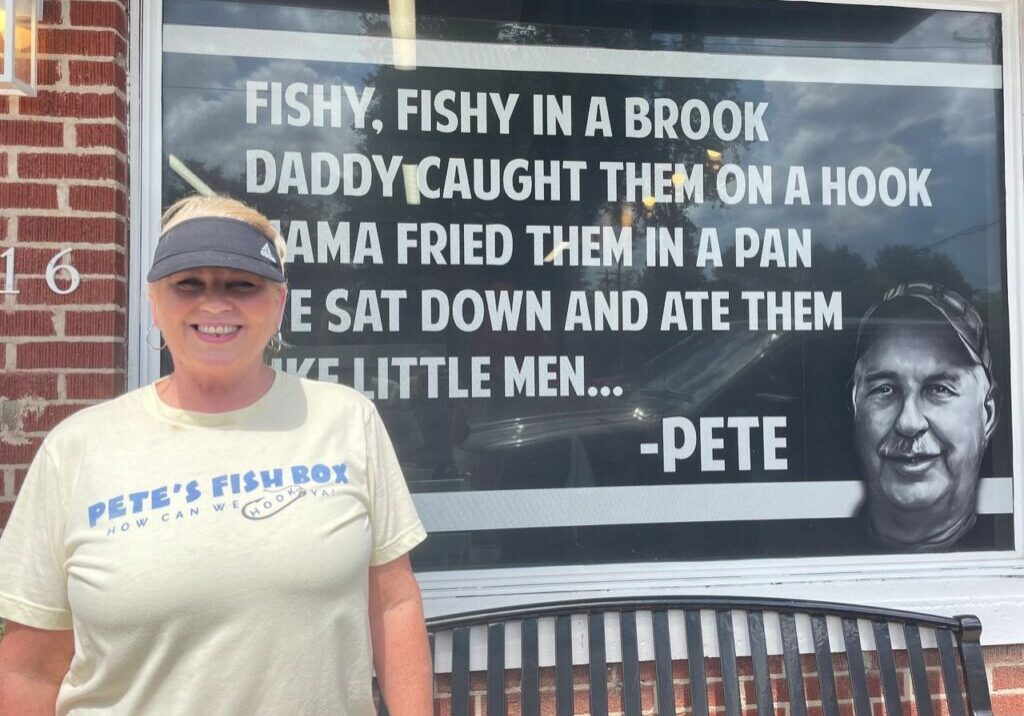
x=1007, y=704
x=5, y=104
x=71, y=166
x=71, y=229
x=94, y=386
x=812, y=688
x=98, y=198
x=14, y=132
x=121, y=109
x=101, y=135
x=1012, y=654
x=19, y=195
x=109, y=262
x=684, y=697
x=5, y=513
x=52, y=12
x=67, y=354
x=19, y=479
x=84, y=105
x=780, y=690
x=48, y=72
x=26, y=323
x=47, y=418
x=3, y=229
x=3, y=164
x=94, y=43
x=99, y=14
x=107, y=73
x=20, y=454
x=24, y=385
x=94, y=323
x=1007, y=677
x=35, y=292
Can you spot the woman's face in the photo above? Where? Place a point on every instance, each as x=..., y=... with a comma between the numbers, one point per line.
x=216, y=321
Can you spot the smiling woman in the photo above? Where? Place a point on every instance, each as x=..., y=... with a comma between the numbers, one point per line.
x=142, y=521
x=217, y=291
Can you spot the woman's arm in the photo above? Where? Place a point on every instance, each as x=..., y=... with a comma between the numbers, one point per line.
x=33, y=663
x=401, y=656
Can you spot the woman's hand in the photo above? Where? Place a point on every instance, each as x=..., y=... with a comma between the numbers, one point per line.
x=401, y=656
x=33, y=663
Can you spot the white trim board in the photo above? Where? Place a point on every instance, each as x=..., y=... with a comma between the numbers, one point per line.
x=653, y=504
x=321, y=47
x=145, y=130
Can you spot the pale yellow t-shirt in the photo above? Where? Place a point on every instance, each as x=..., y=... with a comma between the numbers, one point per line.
x=210, y=563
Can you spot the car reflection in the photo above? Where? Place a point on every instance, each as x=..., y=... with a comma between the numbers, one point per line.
x=595, y=441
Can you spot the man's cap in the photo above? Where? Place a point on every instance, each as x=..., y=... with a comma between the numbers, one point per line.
x=215, y=241
x=961, y=316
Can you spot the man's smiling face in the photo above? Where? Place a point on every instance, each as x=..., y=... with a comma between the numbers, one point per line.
x=923, y=417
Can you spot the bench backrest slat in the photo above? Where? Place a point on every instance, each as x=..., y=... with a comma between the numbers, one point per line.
x=496, y=703
x=563, y=666
x=887, y=668
x=460, y=671
x=971, y=656
x=530, y=684
x=630, y=664
x=855, y=664
x=663, y=664
x=759, y=658
x=950, y=673
x=727, y=658
x=823, y=659
x=598, y=665
x=794, y=671
x=695, y=661
x=918, y=674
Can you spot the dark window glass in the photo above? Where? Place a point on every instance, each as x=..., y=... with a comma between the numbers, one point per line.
x=905, y=105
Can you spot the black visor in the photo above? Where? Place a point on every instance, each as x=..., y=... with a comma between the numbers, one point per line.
x=219, y=242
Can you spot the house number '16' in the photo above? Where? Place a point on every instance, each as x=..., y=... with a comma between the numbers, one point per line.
x=54, y=269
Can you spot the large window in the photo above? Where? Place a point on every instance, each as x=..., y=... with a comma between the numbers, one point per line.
x=677, y=281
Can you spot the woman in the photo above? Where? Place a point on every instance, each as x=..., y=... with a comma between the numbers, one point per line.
x=228, y=540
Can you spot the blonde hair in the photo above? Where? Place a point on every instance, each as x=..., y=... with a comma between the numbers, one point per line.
x=196, y=206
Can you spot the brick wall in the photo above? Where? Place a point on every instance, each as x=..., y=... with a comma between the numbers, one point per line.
x=1006, y=678
x=1005, y=669
x=63, y=184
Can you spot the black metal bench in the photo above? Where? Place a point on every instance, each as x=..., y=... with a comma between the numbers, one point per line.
x=955, y=664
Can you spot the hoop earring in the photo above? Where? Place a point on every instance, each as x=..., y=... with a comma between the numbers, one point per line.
x=275, y=343
x=149, y=340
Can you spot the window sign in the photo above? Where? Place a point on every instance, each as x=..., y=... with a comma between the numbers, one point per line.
x=690, y=283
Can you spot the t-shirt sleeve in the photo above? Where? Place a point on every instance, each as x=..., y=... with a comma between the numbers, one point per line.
x=33, y=582
x=393, y=519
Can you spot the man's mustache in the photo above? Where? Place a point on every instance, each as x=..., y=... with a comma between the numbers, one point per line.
x=901, y=447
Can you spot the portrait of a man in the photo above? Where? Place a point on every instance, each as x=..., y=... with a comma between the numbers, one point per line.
x=925, y=406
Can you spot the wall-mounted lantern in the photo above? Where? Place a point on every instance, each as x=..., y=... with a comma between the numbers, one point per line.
x=19, y=21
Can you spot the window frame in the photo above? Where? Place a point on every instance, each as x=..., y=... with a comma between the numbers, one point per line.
x=989, y=584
